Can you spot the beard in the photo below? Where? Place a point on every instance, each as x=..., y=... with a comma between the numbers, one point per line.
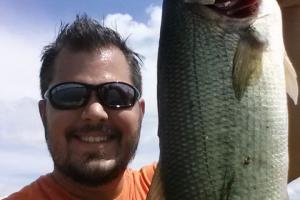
x=92, y=169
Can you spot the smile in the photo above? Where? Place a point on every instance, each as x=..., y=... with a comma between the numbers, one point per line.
x=95, y=139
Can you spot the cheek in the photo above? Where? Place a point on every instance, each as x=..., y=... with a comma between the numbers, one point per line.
x=128, y=122
x=58, y=121
x=57, y=124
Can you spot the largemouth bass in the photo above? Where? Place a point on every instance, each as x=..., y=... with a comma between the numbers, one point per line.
x=223, y=121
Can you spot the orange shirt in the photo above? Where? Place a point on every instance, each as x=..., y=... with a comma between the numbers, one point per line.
x=136, y=187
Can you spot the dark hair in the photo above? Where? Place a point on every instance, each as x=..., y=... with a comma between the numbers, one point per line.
x=86, y=34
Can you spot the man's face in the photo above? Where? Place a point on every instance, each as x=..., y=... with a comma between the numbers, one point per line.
x=92, y=144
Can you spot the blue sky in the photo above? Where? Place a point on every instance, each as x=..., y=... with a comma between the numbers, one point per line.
x=56, y=10
x=28, y=25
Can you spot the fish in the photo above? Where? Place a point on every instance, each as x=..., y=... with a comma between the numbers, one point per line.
x=222, y=103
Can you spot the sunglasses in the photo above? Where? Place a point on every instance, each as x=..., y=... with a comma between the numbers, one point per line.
x=72, y=95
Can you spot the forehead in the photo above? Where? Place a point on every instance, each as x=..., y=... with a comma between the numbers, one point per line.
x=93, y=67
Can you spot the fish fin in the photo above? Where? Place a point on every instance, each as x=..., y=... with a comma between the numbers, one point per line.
x=247, y=62
x=291, y=79
x=203, y=2
x=156, y=189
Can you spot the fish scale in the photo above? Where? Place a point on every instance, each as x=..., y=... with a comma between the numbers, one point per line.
x=214, y=146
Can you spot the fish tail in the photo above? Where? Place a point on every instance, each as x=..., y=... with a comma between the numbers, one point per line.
x=247, y=62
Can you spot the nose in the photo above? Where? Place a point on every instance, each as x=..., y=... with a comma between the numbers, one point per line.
x=94, y=111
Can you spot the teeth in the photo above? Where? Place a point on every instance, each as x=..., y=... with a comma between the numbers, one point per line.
x=106, y=129
x=92, y=139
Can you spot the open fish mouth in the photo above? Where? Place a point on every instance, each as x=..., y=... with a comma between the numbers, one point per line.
x=225, y=4
x=236, y=8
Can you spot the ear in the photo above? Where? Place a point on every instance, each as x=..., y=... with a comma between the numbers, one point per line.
x=142, y=106
x=42, y=110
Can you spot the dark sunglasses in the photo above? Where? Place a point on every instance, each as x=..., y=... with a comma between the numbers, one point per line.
x=72, y=95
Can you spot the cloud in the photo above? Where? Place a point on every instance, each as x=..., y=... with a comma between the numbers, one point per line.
x=19, y=64
x=23, y=152
x=20, y=122
x=143, y=38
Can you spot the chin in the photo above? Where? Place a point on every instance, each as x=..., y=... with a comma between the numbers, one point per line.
x=94, y=172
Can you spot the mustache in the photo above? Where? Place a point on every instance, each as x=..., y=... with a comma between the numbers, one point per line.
x=90, y=128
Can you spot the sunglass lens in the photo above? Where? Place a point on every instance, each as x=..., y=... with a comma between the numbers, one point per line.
x=69, y=96
x=116, y=95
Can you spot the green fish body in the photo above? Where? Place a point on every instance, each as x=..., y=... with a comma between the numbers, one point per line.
x=223, y=122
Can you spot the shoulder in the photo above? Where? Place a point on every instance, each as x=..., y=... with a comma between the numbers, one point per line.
x=144, y=174
x=138, y=181
x=31, y=191
x=147, y=172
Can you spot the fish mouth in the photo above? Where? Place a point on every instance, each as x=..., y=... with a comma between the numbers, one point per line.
x=225, y=4
x=230, y=15
x=236, y=8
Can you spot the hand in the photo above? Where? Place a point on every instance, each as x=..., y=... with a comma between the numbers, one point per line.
x=288, y=3
x=291, y=28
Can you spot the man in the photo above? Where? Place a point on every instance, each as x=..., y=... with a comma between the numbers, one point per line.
x=92, y=112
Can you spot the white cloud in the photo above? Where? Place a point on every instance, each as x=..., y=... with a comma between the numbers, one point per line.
x=23, y=152
x=143, y=38
x=20, y=122
x=19, y=64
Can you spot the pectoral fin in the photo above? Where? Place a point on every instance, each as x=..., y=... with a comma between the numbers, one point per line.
x=291, y=80
x=156, y=189
x=247, y=63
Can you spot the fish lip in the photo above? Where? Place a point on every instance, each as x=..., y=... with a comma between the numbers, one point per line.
x=226, y=4
x=235, y=8
x=232, y=13
x=227, y=23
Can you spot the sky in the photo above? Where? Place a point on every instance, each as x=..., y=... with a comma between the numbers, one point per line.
x=25, y=28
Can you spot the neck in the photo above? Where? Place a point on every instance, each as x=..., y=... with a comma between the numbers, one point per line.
x=108, y=191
